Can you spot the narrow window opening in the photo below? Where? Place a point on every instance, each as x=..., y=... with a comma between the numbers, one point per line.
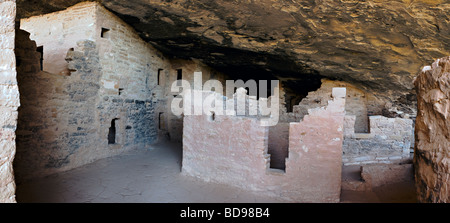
x=161, y=121
x=40, y=49
x=159, y=76
x=121, y=91
x=179, y=76
x=105, y=33
x=112, y=132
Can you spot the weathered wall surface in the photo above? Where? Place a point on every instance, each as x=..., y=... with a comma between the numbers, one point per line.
x=315, y=148
x=390, y=140
x=234, y=150
x=104, y=106
x=9, y=100
x=358, y=103
x=188, y=68
x=115, y=96
x=128, y=85
x=432, y=146
x=58, y=32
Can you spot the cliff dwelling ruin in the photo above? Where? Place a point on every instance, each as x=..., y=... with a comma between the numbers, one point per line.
x=302, y=104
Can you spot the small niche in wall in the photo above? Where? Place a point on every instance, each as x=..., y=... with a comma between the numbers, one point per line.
x=161, y=121
x=112, y=132
x=40, y=49
x=179, y=76
x=121, y=91
x=159, y=76
x=105, y=33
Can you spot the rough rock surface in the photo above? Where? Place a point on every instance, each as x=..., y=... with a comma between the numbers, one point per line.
x=9, y=101
x=432, y=151
x=378, y=45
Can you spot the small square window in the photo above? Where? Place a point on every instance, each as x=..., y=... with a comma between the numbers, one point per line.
x=105, y=33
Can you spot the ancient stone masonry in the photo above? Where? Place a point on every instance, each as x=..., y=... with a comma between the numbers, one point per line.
x=432, y=146
x=103, y=105
x=390, y=141
x=378, y=44
x=185, y=70
x=369, y=137
x=234, y=150
x=91, y=88
x=9, y=100
x=82, y=84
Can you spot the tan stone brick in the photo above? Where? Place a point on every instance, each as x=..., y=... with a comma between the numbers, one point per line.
x=243, y=142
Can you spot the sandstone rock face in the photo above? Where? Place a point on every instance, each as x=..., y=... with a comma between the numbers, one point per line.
x=432, y=150
x=9, y=101
x=378, y=45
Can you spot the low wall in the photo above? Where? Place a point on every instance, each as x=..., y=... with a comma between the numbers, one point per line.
x=234, y=150
x=389, y=141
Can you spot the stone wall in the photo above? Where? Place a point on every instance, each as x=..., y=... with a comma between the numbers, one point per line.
x=188, y=68
x=432, y=134
x=60, y=123
x=104, y=106
x=234, y=150
x=278, y=145
x=58, y=32
x=369, y=137
x=9, y=100
x=108, y=92
x=390, y=141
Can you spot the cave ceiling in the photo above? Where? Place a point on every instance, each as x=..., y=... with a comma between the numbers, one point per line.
x=378, y=45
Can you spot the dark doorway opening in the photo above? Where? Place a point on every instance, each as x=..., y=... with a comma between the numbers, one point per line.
x=112, y=132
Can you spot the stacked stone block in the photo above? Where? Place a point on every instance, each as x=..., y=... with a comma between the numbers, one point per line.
x=432, y=134
x=9, y=100
x=234, y=150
